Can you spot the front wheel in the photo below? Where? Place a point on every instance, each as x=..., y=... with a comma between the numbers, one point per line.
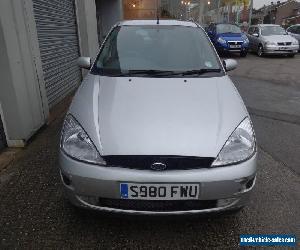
x=244, y=53
x=260, y=51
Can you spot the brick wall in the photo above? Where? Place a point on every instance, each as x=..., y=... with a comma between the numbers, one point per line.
x=285, y=10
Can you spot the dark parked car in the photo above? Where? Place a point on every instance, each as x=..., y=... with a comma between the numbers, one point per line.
x=228, y=38
x=294, y=31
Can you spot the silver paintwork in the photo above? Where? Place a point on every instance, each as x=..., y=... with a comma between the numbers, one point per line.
x=158, y=116
x=84, y=62
x=230, y=64
x=260, y=40
x=161, y=22
x=96, y=181
x=121, y=115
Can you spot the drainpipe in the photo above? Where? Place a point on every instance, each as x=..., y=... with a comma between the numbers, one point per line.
x=250, y=12
x=218, y=16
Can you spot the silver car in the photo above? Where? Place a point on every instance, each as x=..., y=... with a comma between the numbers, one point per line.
x=271, y=39
x=157, y=126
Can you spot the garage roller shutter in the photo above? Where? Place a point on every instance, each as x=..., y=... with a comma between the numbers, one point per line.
x=59, y=49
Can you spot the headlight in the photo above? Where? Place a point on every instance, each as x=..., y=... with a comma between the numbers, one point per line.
x=221, y=40
x=245, y=38
x=76, y=143
x=240, y=146
x=295, y=42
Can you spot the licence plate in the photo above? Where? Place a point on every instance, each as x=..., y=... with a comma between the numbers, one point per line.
x=235, y=46
x=283, y=48
x=138, y=191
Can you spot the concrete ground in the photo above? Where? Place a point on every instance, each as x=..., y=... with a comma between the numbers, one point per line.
x=35, y=215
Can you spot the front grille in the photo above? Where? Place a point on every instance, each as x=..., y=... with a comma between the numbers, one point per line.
x=144, y=162
x=157, y=206
x=284, y=44
x=235, y=43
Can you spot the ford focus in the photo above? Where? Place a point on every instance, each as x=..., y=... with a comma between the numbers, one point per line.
x=157, y=126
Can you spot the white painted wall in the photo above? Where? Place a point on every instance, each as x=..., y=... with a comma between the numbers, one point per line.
x=87, y=27
x=23, y=101
x=23, y=105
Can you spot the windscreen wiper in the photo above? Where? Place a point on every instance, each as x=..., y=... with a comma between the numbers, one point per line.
x=166, y=73
x=172, y=73
x=200, y=72
x=149, y=72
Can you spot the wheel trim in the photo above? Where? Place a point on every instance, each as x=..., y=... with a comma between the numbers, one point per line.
x=260, y=50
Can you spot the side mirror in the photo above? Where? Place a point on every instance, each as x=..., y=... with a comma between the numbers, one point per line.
x=255, y=34
x=84, y=62
x=230, y=64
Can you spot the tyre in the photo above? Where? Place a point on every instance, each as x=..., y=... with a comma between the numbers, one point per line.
x=291, y=55
x=260, y=51
x=243, y=53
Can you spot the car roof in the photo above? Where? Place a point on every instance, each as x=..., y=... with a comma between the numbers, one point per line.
x=226, y=23
x=263, y=25
x=161, y=22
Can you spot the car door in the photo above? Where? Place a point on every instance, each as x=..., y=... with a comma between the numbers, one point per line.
x=291, y=30
x=296, y=32
x=249, y=35
x=256, y=39
x=253, y=39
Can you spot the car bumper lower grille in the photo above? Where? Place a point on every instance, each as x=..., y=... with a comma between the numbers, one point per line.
x=285, y=44
x=157, y=206
x=235, y=43
x=145, y=162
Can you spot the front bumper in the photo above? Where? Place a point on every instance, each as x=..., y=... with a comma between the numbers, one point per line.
x=226, y=48
x=281, y=50
x=223, y=188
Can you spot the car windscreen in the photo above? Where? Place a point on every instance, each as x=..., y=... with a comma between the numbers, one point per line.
x=156, y=48
x=272, y=30
x=228, y=28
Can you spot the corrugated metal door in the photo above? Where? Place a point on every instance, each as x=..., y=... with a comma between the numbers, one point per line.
x=59, y=49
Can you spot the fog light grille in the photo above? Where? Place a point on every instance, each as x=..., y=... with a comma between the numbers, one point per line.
x=157, y=206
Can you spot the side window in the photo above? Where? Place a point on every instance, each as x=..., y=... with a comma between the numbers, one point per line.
x=109, y=53
x=291, y=29
x=209, y=27
x=256, y=30
x=214, y=28
x=297, y=30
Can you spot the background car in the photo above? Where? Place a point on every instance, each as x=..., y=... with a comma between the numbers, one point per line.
x=228, y=38
x=294, y=31
x=272, y=39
